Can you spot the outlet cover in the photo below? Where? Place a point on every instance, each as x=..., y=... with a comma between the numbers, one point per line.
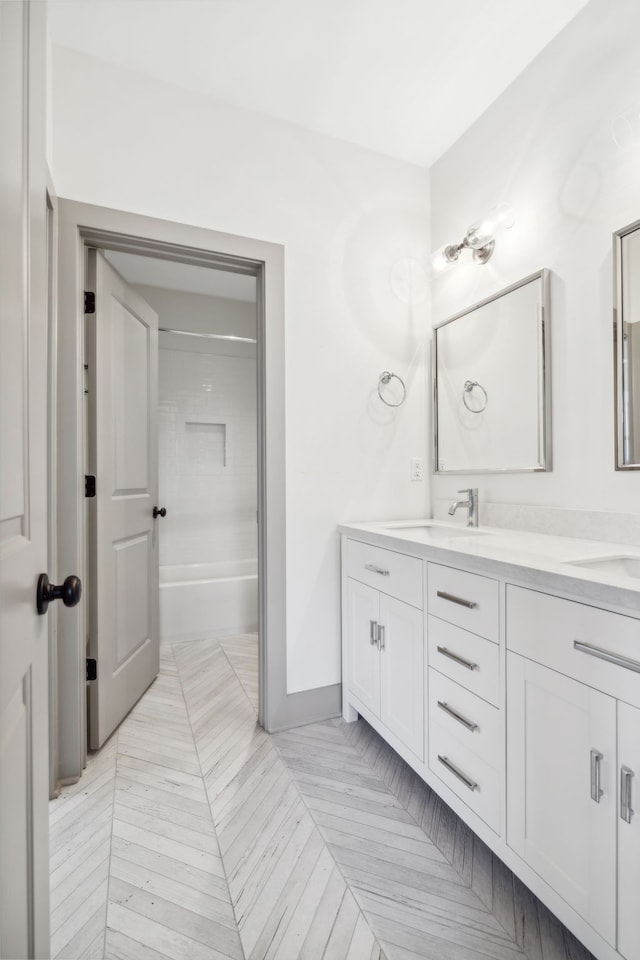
x=417, y=468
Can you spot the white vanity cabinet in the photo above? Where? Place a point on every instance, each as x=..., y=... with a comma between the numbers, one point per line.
x=573, y=756
x=386, y=640
x=384, y=636
x=561, y=786
x=519, y=707
x=465, y=733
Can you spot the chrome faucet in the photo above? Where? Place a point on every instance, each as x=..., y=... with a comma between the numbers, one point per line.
x=471, y=503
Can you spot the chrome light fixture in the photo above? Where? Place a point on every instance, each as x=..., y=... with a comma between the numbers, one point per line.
x=479, y=238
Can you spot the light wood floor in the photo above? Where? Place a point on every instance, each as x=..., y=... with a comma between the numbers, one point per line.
x=193, y=834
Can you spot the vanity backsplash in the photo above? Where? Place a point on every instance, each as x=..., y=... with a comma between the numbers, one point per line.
x=557, y=521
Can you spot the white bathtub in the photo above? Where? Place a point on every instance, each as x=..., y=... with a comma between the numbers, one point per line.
x=199, y=600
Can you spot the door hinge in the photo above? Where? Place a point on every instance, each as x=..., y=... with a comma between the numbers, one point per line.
x=92, y=669
x=89, y=485
x=89, y=302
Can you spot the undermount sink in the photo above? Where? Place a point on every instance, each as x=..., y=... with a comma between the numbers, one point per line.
x=618, y=566
x=432, y=532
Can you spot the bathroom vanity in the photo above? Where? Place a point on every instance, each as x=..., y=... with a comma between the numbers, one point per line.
x=504, y=667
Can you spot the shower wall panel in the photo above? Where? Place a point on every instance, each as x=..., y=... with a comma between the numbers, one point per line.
x=207, y=452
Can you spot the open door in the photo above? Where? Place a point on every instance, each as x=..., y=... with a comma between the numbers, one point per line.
x=24, y=733
x=122, y=357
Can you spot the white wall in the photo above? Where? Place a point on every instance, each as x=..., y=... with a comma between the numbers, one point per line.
x=547, y=147
x=346, y=216
x=201, y=313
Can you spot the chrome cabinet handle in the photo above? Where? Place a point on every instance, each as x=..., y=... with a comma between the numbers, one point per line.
x=626, y=776
x=451, y=767
x=596, y=791
x=372, y=567
x=469, y=604
x=372, y=632
x=601, y=654
x=381, y=643
x=457, y=659
x=457, y=716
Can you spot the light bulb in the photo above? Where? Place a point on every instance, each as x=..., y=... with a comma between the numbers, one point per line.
x=484, y=230
x=440, y=262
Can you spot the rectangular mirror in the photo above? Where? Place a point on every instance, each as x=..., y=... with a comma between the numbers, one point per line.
x=491, y=375
x=626, y=247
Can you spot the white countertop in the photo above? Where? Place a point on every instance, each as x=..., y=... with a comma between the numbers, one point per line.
x=539, y=560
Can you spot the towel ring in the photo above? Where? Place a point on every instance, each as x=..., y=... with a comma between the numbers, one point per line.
x=469, y=385
x=385, y=378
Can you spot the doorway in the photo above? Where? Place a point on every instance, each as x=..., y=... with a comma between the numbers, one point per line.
x=82, y=227
x=207, y=444
x=171, y=374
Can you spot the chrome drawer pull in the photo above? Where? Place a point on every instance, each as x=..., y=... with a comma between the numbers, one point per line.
x=596, y=791
x=380, y=637
x=457, y=716
x=468, y=782
x=601, y=654
x=372, y=632
x=469, y=604
x=372, y=567
x=626, y=776
x=454, y=656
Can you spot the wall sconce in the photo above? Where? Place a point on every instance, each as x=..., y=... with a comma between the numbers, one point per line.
x=479, y=238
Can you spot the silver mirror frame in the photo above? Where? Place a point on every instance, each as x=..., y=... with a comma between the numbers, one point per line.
x=544, y=425
x=621, y=451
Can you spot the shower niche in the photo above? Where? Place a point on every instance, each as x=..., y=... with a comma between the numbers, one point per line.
x=205, y=445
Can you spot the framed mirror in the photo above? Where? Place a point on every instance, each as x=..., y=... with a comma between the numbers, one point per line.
x=626, y=327
x=492, y=384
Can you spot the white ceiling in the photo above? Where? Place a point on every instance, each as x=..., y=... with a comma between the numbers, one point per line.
x=172, y=275
x=402, y=77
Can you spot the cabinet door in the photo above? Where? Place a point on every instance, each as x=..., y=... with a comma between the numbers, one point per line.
x=628, y=830
x=561, y=738
x=363, y=605
x=402, y=672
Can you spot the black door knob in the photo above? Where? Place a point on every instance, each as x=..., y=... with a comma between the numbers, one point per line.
x=69, y=592
x=159, y=512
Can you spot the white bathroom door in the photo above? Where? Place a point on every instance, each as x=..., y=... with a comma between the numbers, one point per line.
x=122, y=356
x=24, y=721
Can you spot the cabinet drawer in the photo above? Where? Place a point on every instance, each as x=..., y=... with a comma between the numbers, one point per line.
x=466, y=599
x=470, y=777
x=390, y=572
x=466, y=658
x=467, y=717
x=546, y=629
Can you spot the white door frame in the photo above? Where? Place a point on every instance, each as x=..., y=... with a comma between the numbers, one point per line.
x=81, y=225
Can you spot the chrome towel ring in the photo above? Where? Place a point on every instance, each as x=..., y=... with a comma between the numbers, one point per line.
x=467, y=392
x=386, y=377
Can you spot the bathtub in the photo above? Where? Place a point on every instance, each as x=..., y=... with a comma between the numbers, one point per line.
x=199, y=600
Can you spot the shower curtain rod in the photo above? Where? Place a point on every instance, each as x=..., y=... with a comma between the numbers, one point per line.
x=208, y=336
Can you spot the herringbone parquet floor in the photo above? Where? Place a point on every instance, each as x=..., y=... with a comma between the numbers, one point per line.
x=193, y=834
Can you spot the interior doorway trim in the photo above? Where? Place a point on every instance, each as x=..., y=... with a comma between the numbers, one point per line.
x=81, y=225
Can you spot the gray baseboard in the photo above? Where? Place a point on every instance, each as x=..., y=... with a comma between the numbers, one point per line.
x=307, y=706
